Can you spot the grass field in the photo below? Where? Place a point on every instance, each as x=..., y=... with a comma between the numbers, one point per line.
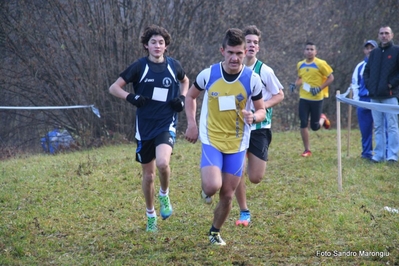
x=87, y=208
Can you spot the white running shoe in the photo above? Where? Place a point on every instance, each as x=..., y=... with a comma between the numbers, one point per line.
x=206, y=198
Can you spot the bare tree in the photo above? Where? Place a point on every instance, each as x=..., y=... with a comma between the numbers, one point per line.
x=65, y=52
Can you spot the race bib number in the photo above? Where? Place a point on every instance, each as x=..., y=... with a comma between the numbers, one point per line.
x=160, y=94
x=227, y=103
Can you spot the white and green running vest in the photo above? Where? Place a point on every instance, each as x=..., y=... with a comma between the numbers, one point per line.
x=266, y=123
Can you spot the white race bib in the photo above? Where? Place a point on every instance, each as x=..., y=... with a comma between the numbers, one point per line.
x=306, y=87
x=227, y=103
x=160, y=94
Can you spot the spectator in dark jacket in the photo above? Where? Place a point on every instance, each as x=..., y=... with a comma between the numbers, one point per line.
x=381, y=76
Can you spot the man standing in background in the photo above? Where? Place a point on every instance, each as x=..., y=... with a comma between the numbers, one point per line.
x=381, y=77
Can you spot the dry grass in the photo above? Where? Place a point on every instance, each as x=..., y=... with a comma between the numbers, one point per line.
x=87, y=208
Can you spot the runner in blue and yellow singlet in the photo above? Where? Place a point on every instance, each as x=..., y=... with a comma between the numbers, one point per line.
x=225, y=123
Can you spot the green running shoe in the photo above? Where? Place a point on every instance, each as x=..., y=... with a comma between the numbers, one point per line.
x=166, y=207
x=152, y=224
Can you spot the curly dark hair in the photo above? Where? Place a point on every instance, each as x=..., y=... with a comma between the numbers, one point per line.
x=155, y=30
x=233, y=37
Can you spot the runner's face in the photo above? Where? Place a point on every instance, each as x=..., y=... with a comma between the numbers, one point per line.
x=252, y=42
x=310, y=52
x=156, y=46
x=233, y=58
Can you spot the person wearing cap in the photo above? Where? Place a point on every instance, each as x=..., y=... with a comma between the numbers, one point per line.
x=360, y=93
x=381, y=77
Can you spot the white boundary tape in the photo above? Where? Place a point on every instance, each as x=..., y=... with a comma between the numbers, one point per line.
x=387, y=108
x=93, y=108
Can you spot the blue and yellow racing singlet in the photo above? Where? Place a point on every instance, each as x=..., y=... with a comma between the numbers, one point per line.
x=222, y=123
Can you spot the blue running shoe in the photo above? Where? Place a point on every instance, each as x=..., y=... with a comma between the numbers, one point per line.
x=245, y=218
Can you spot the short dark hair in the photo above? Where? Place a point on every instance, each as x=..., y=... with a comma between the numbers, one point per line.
x=386, y=26
x=233, y=37
x=155, y=30
x=252, y=30
x=310, y=43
